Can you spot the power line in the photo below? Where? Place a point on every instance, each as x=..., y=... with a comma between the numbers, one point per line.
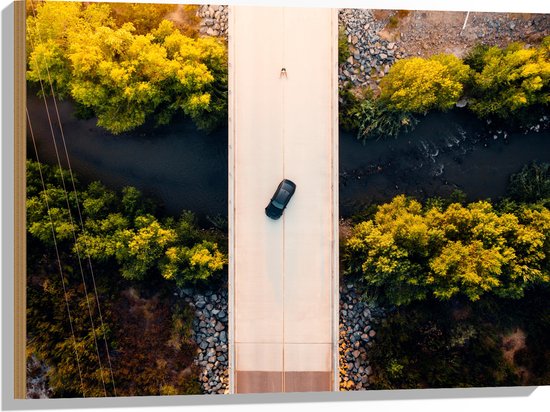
x=77, y=250
x=57, y=254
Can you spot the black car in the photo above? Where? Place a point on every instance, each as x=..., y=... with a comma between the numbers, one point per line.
x=280, y=199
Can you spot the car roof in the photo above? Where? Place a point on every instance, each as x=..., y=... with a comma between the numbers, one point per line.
x=282, y=195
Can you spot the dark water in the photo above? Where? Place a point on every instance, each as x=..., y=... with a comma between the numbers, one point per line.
x=445, y=152
x=180, y=166
x=186, y=169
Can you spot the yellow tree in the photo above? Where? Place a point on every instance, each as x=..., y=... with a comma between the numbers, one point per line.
x=408, y=252
x=417, y=85
x=125, y=77
x=187, y=265
x=511, y=79
x=47, y=39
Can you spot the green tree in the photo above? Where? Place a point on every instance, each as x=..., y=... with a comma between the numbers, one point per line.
x=371, y=118
x=511, y=79
x=120, y=235
x=423, y=345
x=531, y=184
x=417, y=85
x=119, y=228
x=50, y=334
x=408, y=253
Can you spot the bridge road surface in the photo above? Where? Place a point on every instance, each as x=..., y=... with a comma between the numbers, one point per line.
x=283, y=274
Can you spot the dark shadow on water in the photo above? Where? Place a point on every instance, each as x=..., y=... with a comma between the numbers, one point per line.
x=446, y=152
x=178, y=165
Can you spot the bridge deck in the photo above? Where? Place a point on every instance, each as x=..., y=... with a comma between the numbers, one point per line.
x=283, y=273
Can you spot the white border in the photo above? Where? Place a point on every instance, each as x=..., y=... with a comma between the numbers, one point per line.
x=501, y=399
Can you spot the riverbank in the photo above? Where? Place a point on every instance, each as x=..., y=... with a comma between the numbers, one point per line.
x=378, y=38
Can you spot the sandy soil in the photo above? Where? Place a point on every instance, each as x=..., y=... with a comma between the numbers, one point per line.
x=424, y=33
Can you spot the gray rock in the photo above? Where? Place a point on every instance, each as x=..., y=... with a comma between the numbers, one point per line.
x=208, y=22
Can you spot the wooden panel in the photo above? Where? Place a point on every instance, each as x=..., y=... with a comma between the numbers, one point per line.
x=20, y=250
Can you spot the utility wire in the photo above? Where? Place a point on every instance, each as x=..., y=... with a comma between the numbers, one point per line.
x=77, y=249
x=57, y=254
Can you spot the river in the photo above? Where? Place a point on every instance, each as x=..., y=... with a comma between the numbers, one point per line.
x=186, y=169
x=177, y=165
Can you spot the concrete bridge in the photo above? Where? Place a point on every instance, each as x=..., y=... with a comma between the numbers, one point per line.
x=283, y=274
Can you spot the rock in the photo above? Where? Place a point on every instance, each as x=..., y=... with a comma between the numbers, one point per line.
x=200, y=304
x=356, y=353
x=212, y=32
x=372, y=333
x=219, y=327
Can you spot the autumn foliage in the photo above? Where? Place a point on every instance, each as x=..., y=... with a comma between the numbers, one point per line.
x=140, y=342
x=417, y=85
x=408, y=252
x=123, y=72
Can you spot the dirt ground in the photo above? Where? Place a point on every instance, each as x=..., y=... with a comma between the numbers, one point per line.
x=425, y=33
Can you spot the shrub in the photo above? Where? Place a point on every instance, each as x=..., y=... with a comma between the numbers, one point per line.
x=417, y=85
x=531, y=184
x=510, y=80
x=409, y=253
